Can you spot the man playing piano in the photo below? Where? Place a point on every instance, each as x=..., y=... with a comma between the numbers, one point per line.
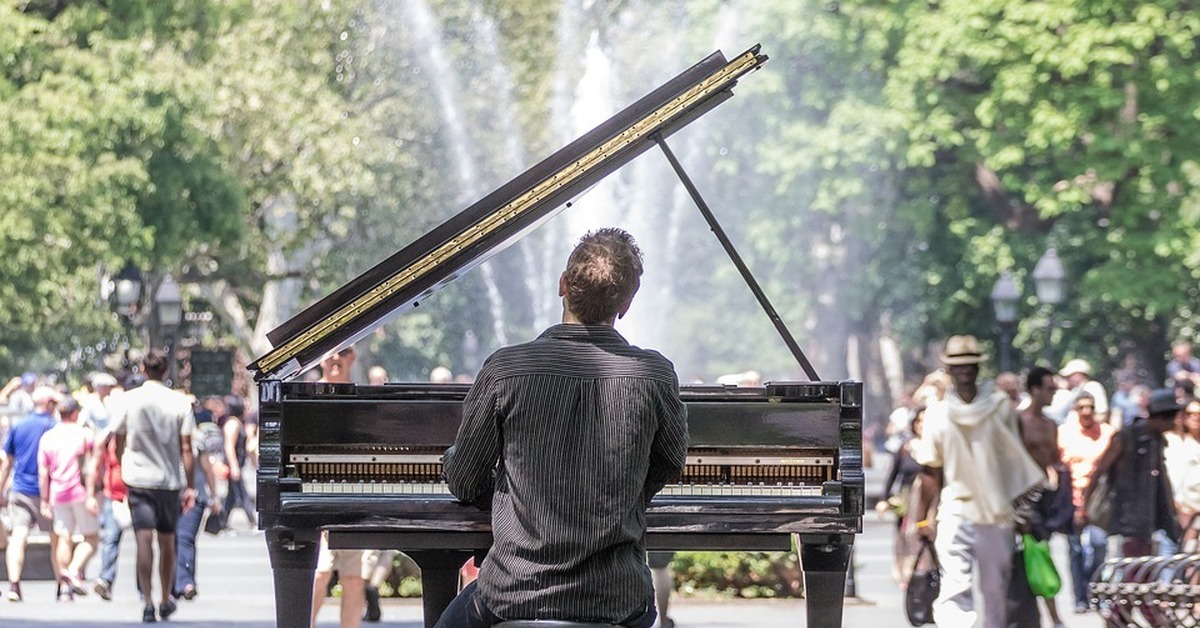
x=567, y=438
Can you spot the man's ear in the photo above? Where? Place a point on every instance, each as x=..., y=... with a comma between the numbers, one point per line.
x=624, y=308
x=562, y=285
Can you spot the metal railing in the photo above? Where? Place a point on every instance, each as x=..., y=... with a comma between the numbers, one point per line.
x=1148, y=591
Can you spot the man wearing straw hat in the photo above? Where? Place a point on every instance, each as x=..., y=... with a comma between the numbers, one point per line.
x=972, y=438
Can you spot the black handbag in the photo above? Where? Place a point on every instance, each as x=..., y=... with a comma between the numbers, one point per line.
x=923, y=587
x=215, y=522
x=1099, y=503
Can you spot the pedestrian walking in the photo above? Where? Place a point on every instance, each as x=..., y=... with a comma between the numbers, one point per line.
x=1138, y=486
x=972, y=437
x=188, y=528
x=112, y=505
x=61, y=454
x=1082, y=441
x=236, y=496
x=23, y=497
x=153, y=429
x=347, y=563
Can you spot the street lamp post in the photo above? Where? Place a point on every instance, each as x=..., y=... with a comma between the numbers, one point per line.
x=168, y=303
x=1004, y=300
x=125, y=292
x=1049, y=280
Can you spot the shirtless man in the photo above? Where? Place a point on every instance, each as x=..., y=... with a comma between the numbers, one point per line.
x=1040, y=435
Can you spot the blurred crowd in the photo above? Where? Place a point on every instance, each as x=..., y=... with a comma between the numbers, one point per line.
x=64, y=471
x=1120, y=470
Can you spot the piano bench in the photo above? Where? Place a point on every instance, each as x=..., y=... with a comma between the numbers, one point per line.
x=550, y=623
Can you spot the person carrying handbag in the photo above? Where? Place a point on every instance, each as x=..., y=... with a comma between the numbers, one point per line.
x=972, y=437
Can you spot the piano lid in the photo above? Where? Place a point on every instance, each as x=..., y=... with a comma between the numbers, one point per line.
x=489, y=225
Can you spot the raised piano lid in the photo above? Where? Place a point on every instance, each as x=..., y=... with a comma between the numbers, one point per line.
x=485, y=228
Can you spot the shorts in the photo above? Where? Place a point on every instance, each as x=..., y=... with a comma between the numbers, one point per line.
x=25, y=511
x=347, y=563
x=74, y=517
x=154, y=509
x=374, y=558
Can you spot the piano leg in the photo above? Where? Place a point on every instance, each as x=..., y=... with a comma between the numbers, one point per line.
x=293, y=560
x=439, y=579
x=825, y=560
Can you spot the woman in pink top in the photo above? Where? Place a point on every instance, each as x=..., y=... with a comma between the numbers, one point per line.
x=60, y=453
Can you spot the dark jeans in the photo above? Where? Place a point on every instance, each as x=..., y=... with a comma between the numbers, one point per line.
x=110, y=543
x=468, y=611
x=1085, y=558
x=237, y=497
x=185, y=546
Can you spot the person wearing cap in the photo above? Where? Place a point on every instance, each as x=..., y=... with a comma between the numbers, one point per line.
x=1078, y=376
x=16, y=398
x=24, y=496
x=64, y=497
x=96, y=408
x=16, y=401
x=1138, y=479
x=972, y=437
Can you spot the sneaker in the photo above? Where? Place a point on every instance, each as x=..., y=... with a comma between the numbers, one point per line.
x=148, y=614
x=373, y=613
x=1080, y=608
x=64, y=592
x=166, y=609
x=103, y=588
x=75, y=583
x=14, y=592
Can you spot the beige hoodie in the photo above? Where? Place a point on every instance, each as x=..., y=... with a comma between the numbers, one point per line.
x=980, y=450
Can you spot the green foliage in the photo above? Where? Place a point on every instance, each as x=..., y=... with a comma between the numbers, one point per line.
x=877, y=174
x=738, y=574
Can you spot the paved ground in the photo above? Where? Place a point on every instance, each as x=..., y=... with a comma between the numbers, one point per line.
x=235, y=590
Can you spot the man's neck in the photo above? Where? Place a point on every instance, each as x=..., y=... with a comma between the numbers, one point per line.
x=966, y=392
x=569, y=318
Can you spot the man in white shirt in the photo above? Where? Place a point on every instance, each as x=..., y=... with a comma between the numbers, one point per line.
x=153, y=428
x=972, y=437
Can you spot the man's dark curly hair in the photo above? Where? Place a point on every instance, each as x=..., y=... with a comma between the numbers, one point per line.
x=603, y=273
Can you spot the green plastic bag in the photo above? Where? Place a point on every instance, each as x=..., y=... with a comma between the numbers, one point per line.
x=1039, y=567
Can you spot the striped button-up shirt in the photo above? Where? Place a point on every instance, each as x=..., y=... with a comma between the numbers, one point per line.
x=569, y=436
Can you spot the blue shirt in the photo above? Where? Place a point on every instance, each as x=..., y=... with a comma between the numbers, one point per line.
x=22, y=448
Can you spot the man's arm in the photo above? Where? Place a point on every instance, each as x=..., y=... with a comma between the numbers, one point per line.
x=668, y=452
x=91, y=481
x=205, y=460
x=189, y=471
x=469, y=465
x=44, y=482
x=5, y=468
x=12, y=385
x=929, y=486
x=232, y=426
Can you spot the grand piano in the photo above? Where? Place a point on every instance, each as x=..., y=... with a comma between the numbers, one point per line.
x=766, y=464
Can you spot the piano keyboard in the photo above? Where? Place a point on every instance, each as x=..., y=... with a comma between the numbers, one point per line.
x=394, y=471
x=441, y=489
